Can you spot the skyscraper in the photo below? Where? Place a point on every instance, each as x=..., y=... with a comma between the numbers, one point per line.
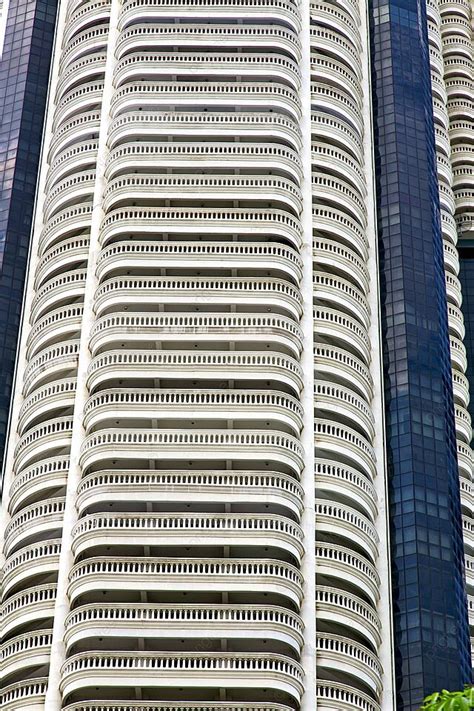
x=26, y=35
x=238, y=476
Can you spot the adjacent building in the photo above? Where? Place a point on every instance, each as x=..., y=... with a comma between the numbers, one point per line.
x=238, y=475
x=26, y=34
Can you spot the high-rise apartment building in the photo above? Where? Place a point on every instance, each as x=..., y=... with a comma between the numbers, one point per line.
x=238, y=475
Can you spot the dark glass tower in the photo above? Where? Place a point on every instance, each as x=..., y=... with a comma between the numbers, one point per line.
x=429, y=600
x=24, y=75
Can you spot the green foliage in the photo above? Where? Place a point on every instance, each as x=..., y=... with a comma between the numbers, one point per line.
x=450, y=700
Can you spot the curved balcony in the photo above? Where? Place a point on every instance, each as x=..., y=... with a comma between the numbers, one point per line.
x=331, y=695
x=42, y=441
x=468, y=533
x=37, y=559
x=26, y=695
x=55, y=396
x=269, y=294
x=455, y=24
x=341, y=482
x=347, y=523
x=467, y=496
x=275, y=624
x=453, y=289
x=330, y=254
x=200, y=220
x=265, y=38
x=74, y=189
x=336, y=223
x=460, y=132
x=178, y=574
x=93, y=13
x=346, y=22
x=343, y=294
x=336, y=402
x=332, y=43
x=239, y=445
x=432, y=10
x=188, y=529
x=27, y=607
x=345, y=330
x=451, y=257
x=34, y=521
x=341, y=655
x=90, y=40
x=279, y=191
x=149, y=405
x=463, y=177
x=434, y=35
x=61, y=226
x=446, y=198
x=448, y=227
x=464, y=198
x=87, y=97
x=262, y=10
x=341, y=563
x=336, y=160
x=469, y=562
x=191, y=669
x=92, y=66
x=456, y=322
x=340, y=365
x=48, y=474
x=444, y=169
x=331, y=99
x=439, y=113
x=463, y=423
x=339, y=193
x=197, y=365
x=264, y=329
x=345, y=444
x=458, y=353
x=457, y=53
x=73, y=159
x=245, y=95
x=332, y=72
x=442, y=141
x=351, y=7
x=121, y=256
x=465, y=460
x=218, y=65
x=269, y=488
x=342, y=608
x=70, y=252
x=436, y=61
x=25, y=651
x=129, y=157
x=332, y=128
x=65, y=289
x=265, y=126
x=51, y=364
x=460, y=388
x=461, y=153
x=460, y=108
x=79, y=128
x=59, y=325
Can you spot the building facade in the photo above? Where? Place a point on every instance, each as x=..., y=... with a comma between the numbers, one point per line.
x=238, y=475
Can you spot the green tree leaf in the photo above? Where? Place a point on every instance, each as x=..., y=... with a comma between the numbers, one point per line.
x=450, y=700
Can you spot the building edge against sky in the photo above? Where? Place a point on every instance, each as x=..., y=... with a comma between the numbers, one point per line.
x=183, y=426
